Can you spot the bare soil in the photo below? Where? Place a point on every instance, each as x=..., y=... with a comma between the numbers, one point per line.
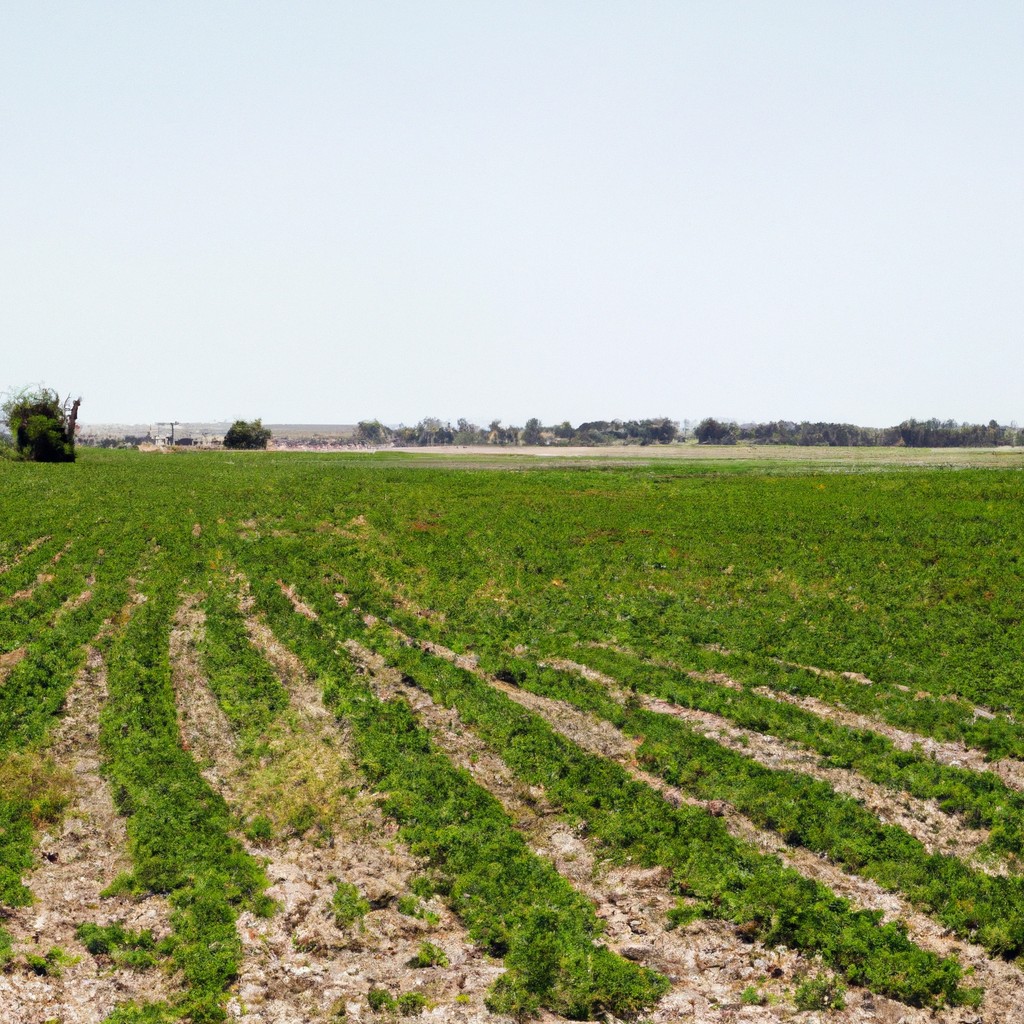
x=78, y=860
x=938, y=831
x=300, y=966
x=949, y=752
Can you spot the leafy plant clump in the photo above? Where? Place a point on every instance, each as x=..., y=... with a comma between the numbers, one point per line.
x=380, y=999
x=42, y=426
x=429, y=955
x=247, y=435
x=822, y=992
x=411, y=1003
x=348, y=905
x=51, y=964
x=124, y=947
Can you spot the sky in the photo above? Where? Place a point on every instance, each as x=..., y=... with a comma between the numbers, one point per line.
x=328, y=211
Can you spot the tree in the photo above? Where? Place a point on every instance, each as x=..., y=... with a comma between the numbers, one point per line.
x=711, y=431
x=42, y=426
x=247, y=435
x=531, y=432
x=372, y=432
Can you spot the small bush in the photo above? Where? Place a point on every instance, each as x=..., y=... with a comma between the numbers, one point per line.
x=125, y=947
x=51, y=964
x=380, y=999
x=751, y=997
x=820, y=993
x=429, y=955
x=259, y=830
x=348, y=906
x=411, y=1003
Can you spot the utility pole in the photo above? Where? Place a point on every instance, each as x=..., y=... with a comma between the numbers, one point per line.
x=169, y=423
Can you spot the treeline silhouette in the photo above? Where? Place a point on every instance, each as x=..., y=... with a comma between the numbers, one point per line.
x=431, y=431
x=910, y=434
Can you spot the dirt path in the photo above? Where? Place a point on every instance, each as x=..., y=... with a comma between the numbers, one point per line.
x=708, y=965
x=923, y=819
x=954, y=753
x=1002, y=981
x=300, y=966
x=79, y=859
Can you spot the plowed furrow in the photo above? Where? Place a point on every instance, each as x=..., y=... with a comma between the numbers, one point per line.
x=79, y=859
x=706, y=962
x=205, y=729
x=26, y=592
x=859, y=677
x=1002, y=981
x=949, y=752
x=937, y=831
x=300, y=966
x=22, y=554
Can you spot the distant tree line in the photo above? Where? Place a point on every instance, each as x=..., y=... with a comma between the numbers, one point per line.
x=432, y=431
x=912, y=433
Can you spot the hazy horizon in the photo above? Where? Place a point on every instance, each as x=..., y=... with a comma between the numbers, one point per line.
x=566, y=210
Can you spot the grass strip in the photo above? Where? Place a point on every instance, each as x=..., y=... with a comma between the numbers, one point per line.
x=940, y=717
x=179, y=830
x=514, y=903
x=805, y=812
x=981, y=797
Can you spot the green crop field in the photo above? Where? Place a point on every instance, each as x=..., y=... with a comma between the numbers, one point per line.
x=300, y=737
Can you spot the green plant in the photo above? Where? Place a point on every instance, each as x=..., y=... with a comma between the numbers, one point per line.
x=411, y=1003
x=750, y=996
x=380, y=999
x=429, y=955
x=42, y=426
x=821, y=992
x=259, y=830
x=51, y=963
x=134, y=949
x=247, y=435
x=348, y=905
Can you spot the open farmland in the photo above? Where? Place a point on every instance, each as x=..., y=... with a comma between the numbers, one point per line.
x=297, y=737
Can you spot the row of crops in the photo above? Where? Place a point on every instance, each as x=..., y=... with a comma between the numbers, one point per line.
x=661, y=579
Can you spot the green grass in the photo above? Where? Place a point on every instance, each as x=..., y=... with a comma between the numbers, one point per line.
x=910, y=575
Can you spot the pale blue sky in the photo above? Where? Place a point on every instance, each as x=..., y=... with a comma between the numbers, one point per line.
x=327, y=211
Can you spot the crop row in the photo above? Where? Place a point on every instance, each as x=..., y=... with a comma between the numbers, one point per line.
x=179, y=830
x=981, y=797
x=31, y=697
x=724, y=876
x=805, y=812
x=513, y=902
x=943, y=717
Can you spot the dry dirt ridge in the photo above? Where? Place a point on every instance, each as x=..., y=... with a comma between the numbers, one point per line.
x=301, y=966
